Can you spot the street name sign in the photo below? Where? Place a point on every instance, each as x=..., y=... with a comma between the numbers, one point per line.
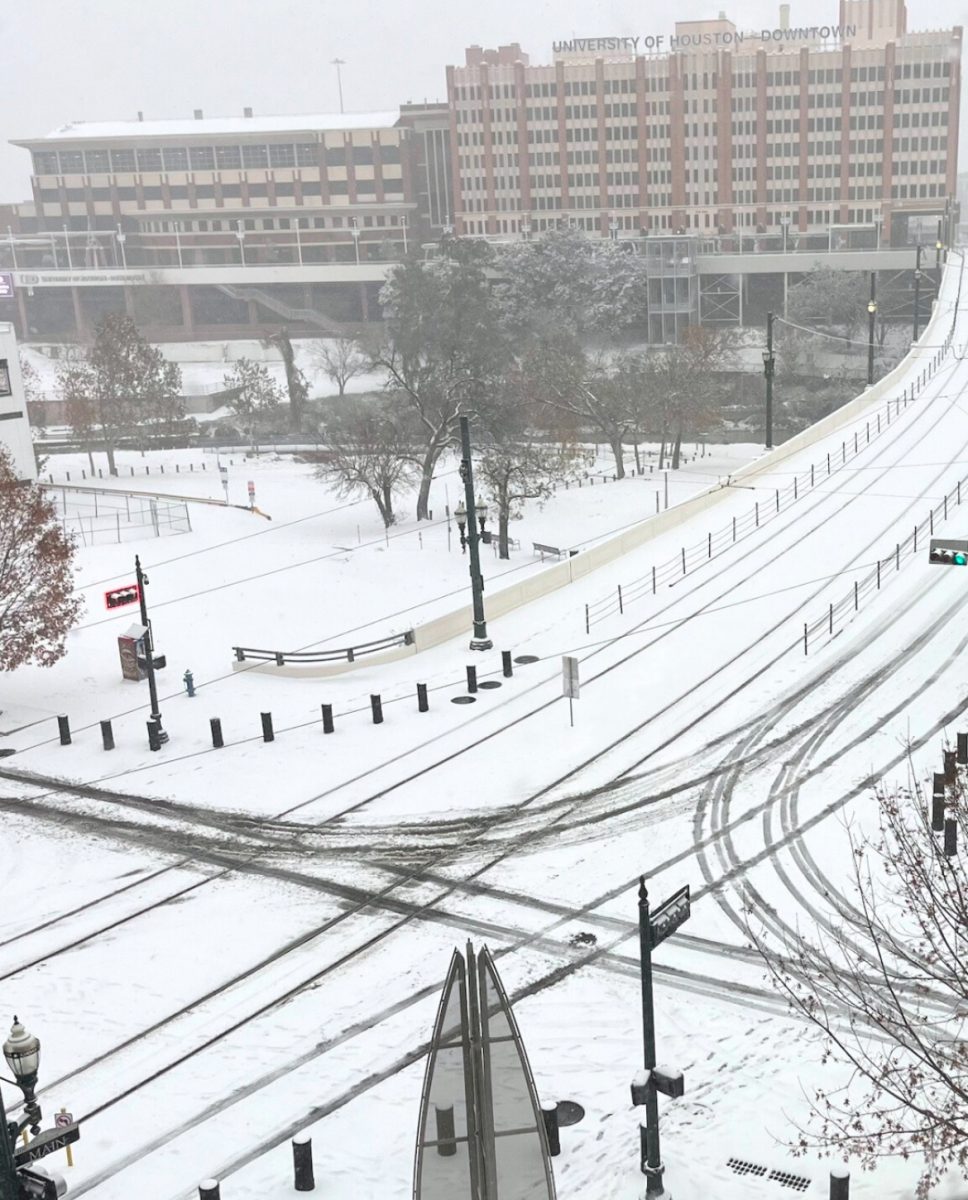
x=667, y=918
x=46, y=1143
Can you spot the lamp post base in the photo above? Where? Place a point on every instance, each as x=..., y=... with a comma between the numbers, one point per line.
x=653, y=1180
x=481, y=644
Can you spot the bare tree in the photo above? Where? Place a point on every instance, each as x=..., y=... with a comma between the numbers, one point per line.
x=340, y=360
x=365, y=452
x=444, y=347
x=518, y=462
x=295, y=379
x=586, y=390
x=255, y=394
x=886, y=980
x=37, y=602
x=75, y=385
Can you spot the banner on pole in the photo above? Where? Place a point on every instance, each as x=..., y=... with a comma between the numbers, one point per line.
x=570, y=685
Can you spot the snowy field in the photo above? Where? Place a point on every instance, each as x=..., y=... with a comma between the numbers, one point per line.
x=222, y=948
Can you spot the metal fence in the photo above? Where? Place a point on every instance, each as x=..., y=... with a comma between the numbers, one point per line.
x=98, y=518
x=301, y=657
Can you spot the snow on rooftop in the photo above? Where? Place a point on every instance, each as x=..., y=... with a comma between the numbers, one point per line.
x=225, y=125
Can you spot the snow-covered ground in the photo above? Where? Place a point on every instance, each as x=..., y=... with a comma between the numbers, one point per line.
x=220, y=948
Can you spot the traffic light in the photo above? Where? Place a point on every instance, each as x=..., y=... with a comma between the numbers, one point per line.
x=948, y=552
x=119, y=597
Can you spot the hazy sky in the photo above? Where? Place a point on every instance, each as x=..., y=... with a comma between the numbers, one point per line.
x=95, y=60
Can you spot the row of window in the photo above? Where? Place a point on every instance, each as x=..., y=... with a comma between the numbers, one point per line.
x=205, y=158
x=250, y=224
x=227, y=191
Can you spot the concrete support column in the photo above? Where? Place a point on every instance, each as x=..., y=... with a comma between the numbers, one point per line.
x=80, y=327
x=186, y=308
x=364, y=303
x=129, y=301
x=23, y=333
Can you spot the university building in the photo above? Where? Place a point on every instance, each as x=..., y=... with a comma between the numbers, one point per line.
x=730, y=157
x=712, y=129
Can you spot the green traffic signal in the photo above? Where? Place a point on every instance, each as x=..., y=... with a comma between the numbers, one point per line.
x=960, y=559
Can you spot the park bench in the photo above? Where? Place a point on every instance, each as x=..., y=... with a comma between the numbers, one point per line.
x=540, y=548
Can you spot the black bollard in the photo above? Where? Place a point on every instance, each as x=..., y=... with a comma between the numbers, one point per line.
x=267, y=734
x=507, y=667
x=64, y=729
x=154, y=735
x=446, y=1144
x=839, y=1183
x=376, y=704
x=302, y=1163
x=950, y=837
x=327, y=718
x=549, y=1110
x=423, y=704
x=962, y=752
x=208, y=1189
x=107, y=735
x=216, y=725
x=472, y=679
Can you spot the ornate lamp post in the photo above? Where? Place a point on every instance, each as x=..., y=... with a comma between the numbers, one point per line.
x=769, y=369
x=871, y=318
x=465, y=516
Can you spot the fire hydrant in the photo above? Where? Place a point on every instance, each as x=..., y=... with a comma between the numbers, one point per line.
x=189, y=681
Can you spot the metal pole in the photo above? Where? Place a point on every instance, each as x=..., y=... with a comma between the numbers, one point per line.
x=149, y=647
x=337, y=63
x=9, y=1187
x=652, y=1167
x=872, y=316
x=480, y=640
x=769, y=363
x=917, y=294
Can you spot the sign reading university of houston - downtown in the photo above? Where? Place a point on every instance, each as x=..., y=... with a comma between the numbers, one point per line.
x=6, y=285
x=660, y=42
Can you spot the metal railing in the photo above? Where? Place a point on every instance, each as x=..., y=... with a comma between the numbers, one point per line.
x=299, y=657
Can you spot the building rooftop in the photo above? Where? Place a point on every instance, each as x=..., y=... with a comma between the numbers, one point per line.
x=209, y=126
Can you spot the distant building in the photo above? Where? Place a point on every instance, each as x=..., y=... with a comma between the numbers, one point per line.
x=711, y=129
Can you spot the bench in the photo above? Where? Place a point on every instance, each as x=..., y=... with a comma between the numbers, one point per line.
x=541, y=549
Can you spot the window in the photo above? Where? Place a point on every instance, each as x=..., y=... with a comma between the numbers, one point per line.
x=202, y=158
x=45, y=162
x=282, y=156
x=175, y=158
x=362, y=156
x=97, y=161
x=71, y=162
x=228, y=158
x=336, y=157
x=122, y=160
x=5, y=388
x=255, y=156
x=390, y=154
x=306, y=154
x=149, y=160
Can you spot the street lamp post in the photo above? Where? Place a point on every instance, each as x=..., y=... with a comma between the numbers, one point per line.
x=22, y=1052
x=785, y=225
x=917, y=293
x=142, y=579
x=872, y=317
x=769, y=368
x=480, y=640
x=403, y=226
x=67, y=247
x=337, y=63
x=122, y=238
x=938, y=247
x=355, y=234
x=240, y=234
x=878, y=223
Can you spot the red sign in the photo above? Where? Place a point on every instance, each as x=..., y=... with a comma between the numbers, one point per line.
x=122, y=596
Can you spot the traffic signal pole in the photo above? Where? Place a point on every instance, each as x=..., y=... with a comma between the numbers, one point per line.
x=769, y=367
x=149, y=647
x=480, y=640
x=917, y=294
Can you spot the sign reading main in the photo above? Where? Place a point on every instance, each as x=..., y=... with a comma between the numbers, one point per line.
x=46, y=1143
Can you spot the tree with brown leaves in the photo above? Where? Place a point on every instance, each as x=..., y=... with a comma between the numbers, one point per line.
x=37, y=602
